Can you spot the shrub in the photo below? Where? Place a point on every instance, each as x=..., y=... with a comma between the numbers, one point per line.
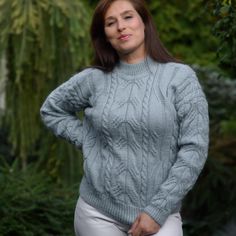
x=31, y=204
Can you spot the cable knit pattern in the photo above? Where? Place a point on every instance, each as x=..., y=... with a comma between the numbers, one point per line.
x=106, y=133
x=144, y=135
x=145, y=140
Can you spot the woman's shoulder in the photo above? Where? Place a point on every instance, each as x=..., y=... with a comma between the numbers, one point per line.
x=180, y=73
x=88, y=73
x=181, y=68
x=178, y=76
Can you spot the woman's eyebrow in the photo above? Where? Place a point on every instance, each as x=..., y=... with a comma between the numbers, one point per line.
x=123, y=13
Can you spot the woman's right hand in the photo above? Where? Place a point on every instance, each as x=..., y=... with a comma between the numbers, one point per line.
x=144, y=225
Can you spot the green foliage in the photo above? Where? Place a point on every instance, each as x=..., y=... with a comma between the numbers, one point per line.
x=31, y=204
x=211, y=203
x=185, y=28
x=225, y=30
x=44, y=42
x=43, y=26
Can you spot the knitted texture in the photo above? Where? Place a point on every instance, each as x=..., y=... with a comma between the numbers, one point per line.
x=144, y=135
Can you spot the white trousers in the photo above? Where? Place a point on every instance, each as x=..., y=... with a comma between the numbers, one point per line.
x=88, y=221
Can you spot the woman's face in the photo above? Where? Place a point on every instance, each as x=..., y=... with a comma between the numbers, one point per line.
x=124, y=30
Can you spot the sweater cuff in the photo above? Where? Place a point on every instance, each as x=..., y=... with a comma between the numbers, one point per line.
x=158, y=215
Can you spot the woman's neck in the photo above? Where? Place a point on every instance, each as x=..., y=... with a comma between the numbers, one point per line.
x=140, y=69
x=132, y=59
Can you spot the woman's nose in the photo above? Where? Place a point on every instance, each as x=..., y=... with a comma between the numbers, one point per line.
x=120, y=26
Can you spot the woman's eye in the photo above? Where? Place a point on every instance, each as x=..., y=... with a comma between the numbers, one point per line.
x=109, y=24
x=128, y=17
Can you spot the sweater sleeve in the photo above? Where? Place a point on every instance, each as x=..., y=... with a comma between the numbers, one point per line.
x=192, y=115
x=58, y=112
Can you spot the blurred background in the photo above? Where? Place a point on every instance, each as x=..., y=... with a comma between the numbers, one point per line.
x=42, y=44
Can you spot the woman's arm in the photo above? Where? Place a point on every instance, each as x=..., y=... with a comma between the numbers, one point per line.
x=192, y=113
x=58, y=112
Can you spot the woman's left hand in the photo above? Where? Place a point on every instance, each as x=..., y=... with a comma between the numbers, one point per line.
x=144, y=225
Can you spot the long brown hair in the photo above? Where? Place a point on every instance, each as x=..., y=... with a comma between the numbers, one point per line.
x=106, y=56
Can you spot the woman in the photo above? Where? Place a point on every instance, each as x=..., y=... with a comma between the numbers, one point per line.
x=144, y=135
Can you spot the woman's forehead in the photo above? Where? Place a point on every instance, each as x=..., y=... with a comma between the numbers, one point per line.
x=119, y=7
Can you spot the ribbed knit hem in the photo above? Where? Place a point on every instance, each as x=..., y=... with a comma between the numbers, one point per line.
x=119, y=211
x=124, y=214
x=159, y=215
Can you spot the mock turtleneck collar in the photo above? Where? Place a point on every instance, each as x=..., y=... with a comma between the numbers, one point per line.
x=145, y=66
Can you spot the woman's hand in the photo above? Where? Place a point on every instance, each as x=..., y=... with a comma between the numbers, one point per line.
x=144, y=225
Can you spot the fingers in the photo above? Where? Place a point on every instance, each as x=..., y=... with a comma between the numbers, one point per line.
x=136, y=232
x=134, y=226
x=144, y=225
x=135, y=229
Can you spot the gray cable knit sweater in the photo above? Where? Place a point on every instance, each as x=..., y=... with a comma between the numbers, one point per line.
x=144, y=136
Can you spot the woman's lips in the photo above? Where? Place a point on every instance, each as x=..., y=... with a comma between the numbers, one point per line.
x=124, y=37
